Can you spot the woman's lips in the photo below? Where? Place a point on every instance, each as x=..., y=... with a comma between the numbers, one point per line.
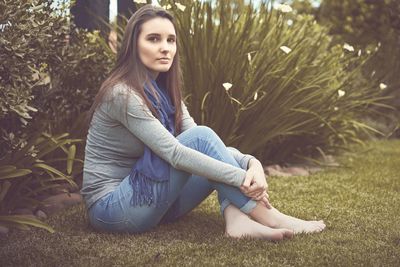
x=164, y=60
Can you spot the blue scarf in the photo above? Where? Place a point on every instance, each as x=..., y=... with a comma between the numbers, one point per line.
x=149, y=176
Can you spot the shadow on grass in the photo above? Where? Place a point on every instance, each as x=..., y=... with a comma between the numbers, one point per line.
x=189, y=228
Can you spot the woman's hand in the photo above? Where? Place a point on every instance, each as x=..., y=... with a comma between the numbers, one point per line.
x=255, y=184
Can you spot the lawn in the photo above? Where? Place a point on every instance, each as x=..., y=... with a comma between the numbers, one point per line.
x=359, y=202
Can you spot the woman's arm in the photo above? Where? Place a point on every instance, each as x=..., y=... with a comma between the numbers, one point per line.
x=137, y=118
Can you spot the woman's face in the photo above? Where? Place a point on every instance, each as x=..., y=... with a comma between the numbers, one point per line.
x=157, y=45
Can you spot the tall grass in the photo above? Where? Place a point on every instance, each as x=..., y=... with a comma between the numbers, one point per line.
x=282, y=103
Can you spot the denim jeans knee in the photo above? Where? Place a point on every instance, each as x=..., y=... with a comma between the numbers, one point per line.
x=201, y=131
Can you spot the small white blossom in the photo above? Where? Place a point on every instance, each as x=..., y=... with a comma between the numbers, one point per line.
x=167, y=7
x=24, y=122
x=341, y=93
x=227, y=86
x=289, y=22
x=285, y=49
x=348, y=47
x=140, y=1
x=382, y=86
x=255, y=96
x=359, y=53
x=31, y=108
x=249, y=57
x=284, y=8
x=335, y=108
x=180, y=6
x=23, y=144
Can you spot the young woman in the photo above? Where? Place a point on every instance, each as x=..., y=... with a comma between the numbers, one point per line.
x=147, y=162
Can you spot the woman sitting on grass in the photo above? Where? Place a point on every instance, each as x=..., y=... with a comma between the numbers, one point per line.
x=147, y=162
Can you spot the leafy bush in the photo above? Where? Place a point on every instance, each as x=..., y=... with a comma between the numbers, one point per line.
x=30, y=173
x=292, y=93
x=372, y=27
x=49, y=75
x=47, y=71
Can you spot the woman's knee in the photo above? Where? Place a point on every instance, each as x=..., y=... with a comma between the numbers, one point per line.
x=201, y=132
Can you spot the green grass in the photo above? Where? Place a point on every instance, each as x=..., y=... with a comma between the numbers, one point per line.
x=360, y=204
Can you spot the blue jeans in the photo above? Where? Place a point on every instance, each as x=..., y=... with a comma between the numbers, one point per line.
x=114, y=213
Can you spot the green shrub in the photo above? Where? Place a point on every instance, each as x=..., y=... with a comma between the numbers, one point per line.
x=29, y=174
x=76, y=74
x=48, y=72
x=281, y=103
x=49, y=75
x=371, y=27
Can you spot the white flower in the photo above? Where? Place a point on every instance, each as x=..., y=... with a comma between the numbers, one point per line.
x=24, y=122
x=180, y=6
x=31, y=108
x=167, y=7
x=341, y=93
x=140, y=1
x=359, y=53
x=335, y=108
x=249, y=57
x=284, y=8
x=227, y=86
x=285, y=49
x=348, y=47
x=382, y=86
x=289, y=22
x=255, y=96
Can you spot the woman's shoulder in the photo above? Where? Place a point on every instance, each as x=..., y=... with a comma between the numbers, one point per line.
x=121, y=91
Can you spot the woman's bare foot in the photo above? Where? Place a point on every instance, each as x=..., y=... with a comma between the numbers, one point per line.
x=276, y=219
x=240, y=225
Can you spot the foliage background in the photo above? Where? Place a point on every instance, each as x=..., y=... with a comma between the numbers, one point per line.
x=49, y=73
x=280, y=104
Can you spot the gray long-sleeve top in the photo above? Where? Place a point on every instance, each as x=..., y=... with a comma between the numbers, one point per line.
x=116, y=139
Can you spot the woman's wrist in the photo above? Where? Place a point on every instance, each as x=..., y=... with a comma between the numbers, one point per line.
x=254, y=162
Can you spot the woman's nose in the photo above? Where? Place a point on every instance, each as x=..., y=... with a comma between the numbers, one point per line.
x=165, y=47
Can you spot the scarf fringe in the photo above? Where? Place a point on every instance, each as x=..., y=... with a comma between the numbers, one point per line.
x=144, y=187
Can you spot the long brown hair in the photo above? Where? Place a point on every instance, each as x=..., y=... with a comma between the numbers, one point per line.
x=130, y=70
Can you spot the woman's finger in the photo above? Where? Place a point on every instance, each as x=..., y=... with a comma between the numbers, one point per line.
x=254, y=194
x=255, y=187
x=247, y=180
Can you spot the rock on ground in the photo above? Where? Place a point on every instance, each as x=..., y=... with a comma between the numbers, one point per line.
x=58, y=202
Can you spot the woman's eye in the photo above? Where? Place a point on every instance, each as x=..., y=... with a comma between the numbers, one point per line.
x=153, y=39
x=171, y=40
